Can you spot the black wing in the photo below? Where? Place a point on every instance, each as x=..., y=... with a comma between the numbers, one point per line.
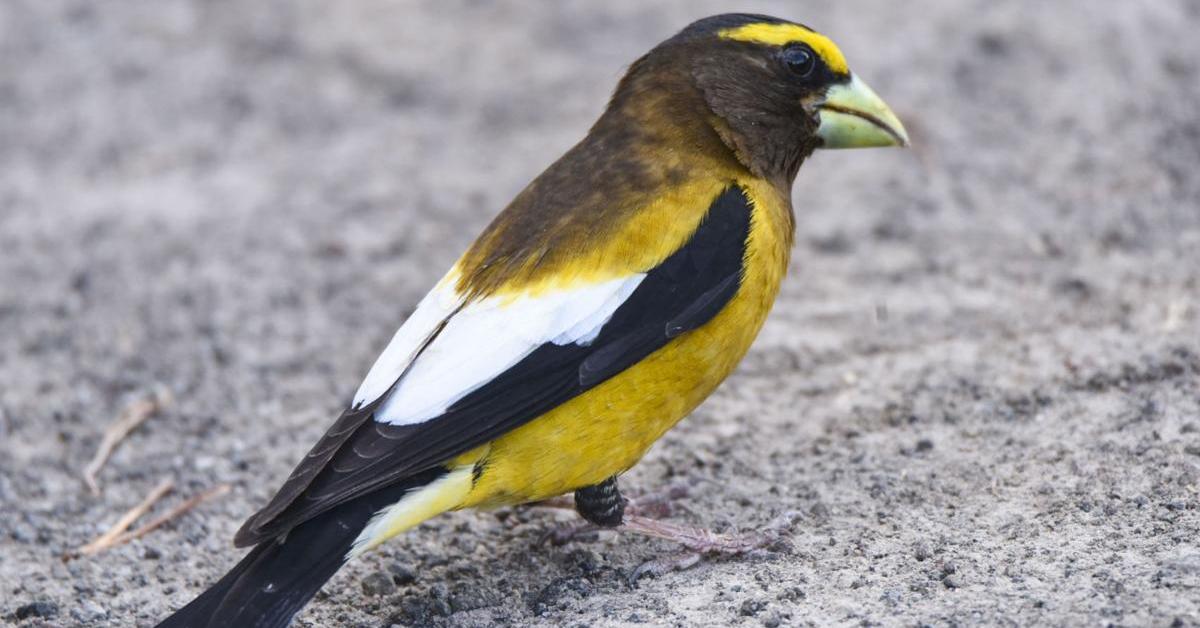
x=359, y=454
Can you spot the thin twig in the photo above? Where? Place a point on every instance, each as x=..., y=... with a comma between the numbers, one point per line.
x=172, y=514
x=134, y=415
x=108, y=539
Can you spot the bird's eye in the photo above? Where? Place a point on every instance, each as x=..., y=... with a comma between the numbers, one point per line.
x=800, y=60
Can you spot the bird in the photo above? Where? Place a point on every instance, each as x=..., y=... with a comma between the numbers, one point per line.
x=599, y=308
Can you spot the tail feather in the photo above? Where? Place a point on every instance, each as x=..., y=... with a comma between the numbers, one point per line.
x=278, y=577
x=201, y=610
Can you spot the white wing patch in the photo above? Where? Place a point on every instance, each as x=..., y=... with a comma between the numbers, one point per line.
x=436, y=307
x=586, y=330
x=478, y=342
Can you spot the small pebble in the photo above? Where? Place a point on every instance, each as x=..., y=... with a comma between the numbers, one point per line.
x=378, y=583
x=792, y=594
x=470, y=597
x=402, y=574
x=586, y=561
x=89, y=612
x=752, y=607
x=23, y=533
x=41, y=608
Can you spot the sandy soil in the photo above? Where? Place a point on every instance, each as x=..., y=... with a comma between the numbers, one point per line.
x=980, y=386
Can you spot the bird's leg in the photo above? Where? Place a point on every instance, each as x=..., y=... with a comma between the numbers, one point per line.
x=602, y=506
x=591, y=500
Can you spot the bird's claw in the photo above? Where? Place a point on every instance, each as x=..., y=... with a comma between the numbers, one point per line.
x=699, y=544
x=660, y=566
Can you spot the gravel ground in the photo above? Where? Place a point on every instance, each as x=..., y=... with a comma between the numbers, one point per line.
x=980, y=386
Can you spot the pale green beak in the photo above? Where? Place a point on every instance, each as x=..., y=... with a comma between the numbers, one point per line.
x=853, y=116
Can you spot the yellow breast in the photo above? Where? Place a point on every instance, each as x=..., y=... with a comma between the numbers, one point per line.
x=606, y=430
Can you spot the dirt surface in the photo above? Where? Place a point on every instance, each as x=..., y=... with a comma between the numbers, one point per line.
x=980, y=387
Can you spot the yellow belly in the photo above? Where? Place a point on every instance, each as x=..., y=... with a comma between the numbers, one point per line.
x=606, y=430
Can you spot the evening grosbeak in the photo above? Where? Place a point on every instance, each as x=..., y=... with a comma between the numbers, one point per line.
x=599, y=308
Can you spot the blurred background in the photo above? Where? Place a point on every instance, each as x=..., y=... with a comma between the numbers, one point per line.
x=981, y=384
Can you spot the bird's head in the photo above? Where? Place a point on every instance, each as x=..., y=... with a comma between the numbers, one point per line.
x=778, y=90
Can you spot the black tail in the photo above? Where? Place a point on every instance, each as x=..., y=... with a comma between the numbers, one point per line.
x=278, y=577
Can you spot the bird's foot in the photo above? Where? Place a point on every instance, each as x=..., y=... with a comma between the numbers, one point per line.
x=699, y=543
x=651, y=505
x=643, y=515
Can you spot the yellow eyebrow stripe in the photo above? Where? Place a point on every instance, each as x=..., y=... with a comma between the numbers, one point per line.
x=783, y=34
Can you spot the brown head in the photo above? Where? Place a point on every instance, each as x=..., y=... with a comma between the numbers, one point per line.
x=772, y=90
x=728, y=94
